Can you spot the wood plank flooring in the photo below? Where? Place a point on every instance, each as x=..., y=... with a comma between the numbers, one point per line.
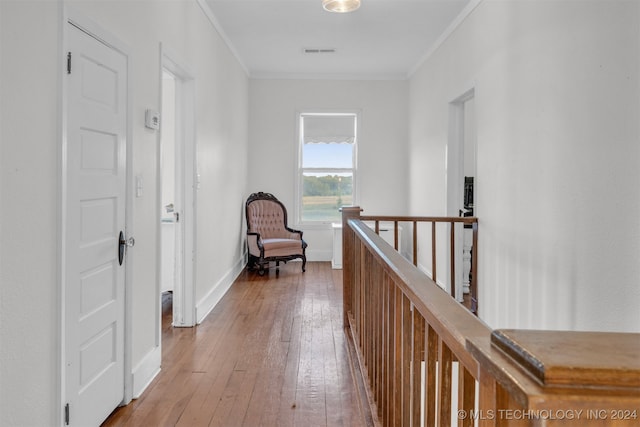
x=271, y=353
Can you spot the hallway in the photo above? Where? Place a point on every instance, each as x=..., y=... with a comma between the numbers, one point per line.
x=272, y=353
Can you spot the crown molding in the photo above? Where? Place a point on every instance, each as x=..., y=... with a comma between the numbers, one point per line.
x=445, y=35
x=216, y=25
x=327, y=76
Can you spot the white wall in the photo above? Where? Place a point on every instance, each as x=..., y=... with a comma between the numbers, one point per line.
x=30, y=143
x=382, y=143
x=557, y=106
x=29, y=223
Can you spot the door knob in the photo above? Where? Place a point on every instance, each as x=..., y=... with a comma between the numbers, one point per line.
x=123, y=244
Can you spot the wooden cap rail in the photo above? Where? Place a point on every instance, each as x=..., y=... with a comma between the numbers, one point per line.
x=571, y=358
x=558, y=378
x=428, y=361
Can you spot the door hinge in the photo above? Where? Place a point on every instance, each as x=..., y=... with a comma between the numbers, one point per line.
x=66, y=414
x=69, y=63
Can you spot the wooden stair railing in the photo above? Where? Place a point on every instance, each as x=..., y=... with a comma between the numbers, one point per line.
x=428, y=361
x=471, y=222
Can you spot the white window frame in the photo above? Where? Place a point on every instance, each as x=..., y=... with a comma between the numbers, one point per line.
x=323, y=224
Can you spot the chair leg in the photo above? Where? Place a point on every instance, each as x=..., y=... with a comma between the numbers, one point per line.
x=304, y=263
x=252, y=262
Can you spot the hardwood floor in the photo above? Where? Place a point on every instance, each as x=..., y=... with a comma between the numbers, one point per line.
x=271, y=353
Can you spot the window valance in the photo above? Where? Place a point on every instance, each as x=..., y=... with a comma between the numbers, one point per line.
x=329, y=129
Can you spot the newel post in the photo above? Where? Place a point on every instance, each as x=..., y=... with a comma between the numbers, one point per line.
x=348, y=259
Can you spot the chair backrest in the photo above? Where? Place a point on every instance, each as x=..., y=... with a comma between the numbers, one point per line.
x=266, y=215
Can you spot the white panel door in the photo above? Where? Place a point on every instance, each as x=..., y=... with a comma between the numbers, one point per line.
x=95, y=216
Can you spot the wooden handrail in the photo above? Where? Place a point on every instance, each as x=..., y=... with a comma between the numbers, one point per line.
x=408, y=334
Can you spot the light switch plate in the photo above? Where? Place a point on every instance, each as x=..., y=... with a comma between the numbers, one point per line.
x=139, y=186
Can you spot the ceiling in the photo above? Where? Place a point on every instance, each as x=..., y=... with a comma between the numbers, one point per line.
x=384, y=39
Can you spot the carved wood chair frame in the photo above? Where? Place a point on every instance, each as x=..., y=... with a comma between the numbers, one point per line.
x=261, y=261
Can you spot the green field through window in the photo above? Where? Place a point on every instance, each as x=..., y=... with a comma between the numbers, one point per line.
x=324, y=208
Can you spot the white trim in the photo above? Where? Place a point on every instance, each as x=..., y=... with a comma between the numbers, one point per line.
x=62, y=211
x=216, y=25
x=208, y=303
x=266, y=75
x=158, y=292
x=146, y=371
x=70, y=16
x=130, y=232
x=445, y=35
x=321, y=255
x=454, y=183
x=184, y=298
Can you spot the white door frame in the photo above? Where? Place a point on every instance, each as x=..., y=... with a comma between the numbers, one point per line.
x=455, y=180
x=184, y=309
x=73, y=17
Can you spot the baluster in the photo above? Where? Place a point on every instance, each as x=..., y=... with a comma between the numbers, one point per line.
x=390, y=371
x=406, y=360
x=418, y=358
x=473, y=291
x=466, y=396
x=445, y=358
x=397, y=410
x=433, y=252
x=395, y=235
x=431, y=349
x=453, y=260
x=415, y=243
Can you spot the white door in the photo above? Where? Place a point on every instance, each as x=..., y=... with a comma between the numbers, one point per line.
x=95, y=216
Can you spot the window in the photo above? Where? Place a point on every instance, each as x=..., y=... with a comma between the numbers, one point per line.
x=327, y=165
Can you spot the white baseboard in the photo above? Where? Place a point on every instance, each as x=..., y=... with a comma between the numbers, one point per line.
x=146, y=371
x=319, y=255
x=206, y=304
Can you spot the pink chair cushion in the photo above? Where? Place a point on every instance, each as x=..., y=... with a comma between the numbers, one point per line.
x=267, y=218
x=281, y=247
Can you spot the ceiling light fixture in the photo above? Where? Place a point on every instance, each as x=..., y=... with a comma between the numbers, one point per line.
x=340, y=6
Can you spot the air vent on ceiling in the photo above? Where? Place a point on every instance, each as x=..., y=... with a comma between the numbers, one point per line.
x=316, y=50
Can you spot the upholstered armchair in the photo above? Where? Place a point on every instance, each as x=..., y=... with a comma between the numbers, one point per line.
x=268, y=236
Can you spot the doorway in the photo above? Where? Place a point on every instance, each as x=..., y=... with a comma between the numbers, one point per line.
x=170, y=231
x=462, y=184
x=177, y=192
